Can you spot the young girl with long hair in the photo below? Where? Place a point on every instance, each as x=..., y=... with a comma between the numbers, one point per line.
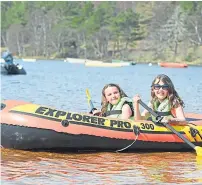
x=165, y=101
x=115, y=103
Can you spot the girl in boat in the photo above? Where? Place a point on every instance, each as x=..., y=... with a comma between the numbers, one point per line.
x=115, y=103
x=165, y=101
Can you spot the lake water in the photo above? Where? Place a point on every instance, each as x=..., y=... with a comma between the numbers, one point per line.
x=62, y=85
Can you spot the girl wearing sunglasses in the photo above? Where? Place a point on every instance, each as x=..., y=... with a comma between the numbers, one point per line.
x=165, y=101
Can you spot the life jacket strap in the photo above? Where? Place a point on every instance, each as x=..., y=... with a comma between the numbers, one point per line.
x=112, y=112
x=163, y=113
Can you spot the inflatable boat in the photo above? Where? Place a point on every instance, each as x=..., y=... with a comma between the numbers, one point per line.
x=8, y=65
x=28, y=126
x=12, y=69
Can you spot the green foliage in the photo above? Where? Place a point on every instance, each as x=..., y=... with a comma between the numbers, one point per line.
x=105, y=22
x=189, y=58
x=13, y=13
x=80, y=20
x=126, y=27
x=187, y=5
x=46, y=5
x=194, y=55
x=16, y=13
x=104, y=12
x=191, y=6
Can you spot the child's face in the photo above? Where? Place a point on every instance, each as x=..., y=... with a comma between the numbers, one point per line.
x=161, y=90
x=112, y=95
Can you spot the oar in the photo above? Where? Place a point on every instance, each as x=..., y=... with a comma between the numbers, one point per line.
x=90, y=103
x=198, y=149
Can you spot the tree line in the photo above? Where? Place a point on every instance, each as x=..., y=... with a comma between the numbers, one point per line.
x=103, y=30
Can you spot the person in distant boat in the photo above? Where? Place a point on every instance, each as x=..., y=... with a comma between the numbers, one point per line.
x=7, y=56
x=165, y=101
x=115, y=103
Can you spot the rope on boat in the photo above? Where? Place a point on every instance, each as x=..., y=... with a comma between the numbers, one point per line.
x=136, y=131
x=194, y=132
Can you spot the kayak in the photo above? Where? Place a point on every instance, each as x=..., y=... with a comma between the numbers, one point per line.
x=29, y=126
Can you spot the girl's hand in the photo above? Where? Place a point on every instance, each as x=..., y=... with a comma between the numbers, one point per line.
x=166, y=120
x=136, y=99
x=96, y=112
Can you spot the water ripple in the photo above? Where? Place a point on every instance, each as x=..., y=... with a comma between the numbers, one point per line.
x=62, y=85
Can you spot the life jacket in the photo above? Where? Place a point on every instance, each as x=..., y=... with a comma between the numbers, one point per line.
x=115, y=111
x=163, y=109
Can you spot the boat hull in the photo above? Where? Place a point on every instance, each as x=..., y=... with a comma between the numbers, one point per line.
x=25, y=138
x=29, y=126
x=14, y=69
x=173, y=65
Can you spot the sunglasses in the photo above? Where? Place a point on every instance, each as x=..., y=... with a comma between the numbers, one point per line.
x=157, y=87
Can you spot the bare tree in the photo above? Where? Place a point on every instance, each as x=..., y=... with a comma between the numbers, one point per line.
x=15, y=38
x=156, y=40
x=100, y=42
x=171, y=30
x=175, y=29
x=194, y=24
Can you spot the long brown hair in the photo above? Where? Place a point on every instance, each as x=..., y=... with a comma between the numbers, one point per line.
x=104, y=102
x=172, y=96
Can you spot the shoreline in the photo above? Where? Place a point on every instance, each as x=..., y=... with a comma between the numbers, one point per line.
x=136, y=62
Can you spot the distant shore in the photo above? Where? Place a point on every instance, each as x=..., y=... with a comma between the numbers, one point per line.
x=194, y=63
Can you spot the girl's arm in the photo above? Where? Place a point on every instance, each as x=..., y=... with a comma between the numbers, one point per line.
x=137, y=115
x=180, y=113
x=126, y=112
x=180, y=117
x=145, y=114
x=96, y=112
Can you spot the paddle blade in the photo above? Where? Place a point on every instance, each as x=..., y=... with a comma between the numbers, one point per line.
x=88, y=97
x=199, y=160
x=198, y=150
x=88, y=94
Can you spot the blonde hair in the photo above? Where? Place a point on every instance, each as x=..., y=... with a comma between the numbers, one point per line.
x=172, y=96
x=104, y=102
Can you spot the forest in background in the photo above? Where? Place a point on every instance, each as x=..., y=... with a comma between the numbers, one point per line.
x=143, y=31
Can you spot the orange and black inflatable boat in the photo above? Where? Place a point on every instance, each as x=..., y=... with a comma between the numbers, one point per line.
x=30, y=126
x=173, y=65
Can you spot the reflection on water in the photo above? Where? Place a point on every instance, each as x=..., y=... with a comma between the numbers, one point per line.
x=26, y=167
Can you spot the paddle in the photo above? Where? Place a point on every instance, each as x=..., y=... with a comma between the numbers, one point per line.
x=90, y=103
x=198, y=149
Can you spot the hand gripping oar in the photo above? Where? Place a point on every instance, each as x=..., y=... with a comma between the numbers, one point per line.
x=90, y=103
x=198, y=149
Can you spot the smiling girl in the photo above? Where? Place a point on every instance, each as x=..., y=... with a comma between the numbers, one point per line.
x=115, y=103
x=165, y=101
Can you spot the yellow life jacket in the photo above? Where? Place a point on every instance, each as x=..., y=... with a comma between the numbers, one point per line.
x=163, y=109
x=115, y=111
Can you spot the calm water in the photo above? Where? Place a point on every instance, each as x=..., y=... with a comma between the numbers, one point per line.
x=62, y=85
